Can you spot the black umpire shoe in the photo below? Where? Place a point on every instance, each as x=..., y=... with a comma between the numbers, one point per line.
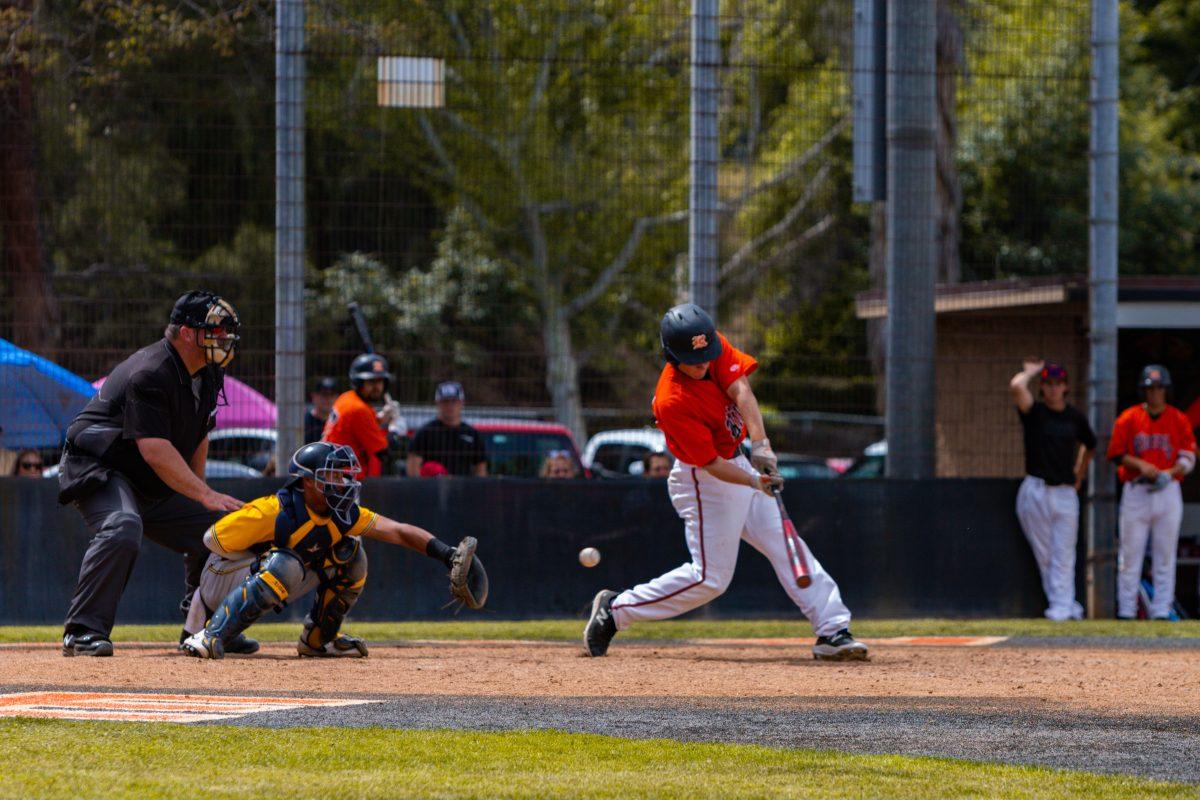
x=839, y=647
x=601, y=627
x=242, y=645
x=87, y=644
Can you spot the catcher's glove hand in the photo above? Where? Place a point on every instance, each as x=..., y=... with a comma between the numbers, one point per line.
x=468, y=581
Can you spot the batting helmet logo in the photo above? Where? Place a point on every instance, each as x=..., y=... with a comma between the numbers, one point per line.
x=699, y=342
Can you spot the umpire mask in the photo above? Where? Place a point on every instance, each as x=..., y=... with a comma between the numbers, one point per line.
x=215, y=321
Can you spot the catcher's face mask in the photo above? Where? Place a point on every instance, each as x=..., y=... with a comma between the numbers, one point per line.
x=336, y=480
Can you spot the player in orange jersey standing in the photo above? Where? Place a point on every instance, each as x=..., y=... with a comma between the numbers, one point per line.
x=705, y=407
x=354, y=421
x=1154, y=447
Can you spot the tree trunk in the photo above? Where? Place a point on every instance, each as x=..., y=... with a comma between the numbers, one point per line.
x=562, y=373
x=949, y=190
x=29, y=294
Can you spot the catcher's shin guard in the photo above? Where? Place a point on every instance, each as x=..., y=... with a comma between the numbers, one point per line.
x=337, y=595
x=281, y=572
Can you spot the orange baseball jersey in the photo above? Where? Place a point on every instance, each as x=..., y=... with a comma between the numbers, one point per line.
x=1158, y=441
x=352, y=422
x=699, y=419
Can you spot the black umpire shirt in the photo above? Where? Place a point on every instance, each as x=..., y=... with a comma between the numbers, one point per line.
x=148, y=395
x=1051, y=442
x=457, y=449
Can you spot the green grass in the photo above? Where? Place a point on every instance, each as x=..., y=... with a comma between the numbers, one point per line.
x=49, y=759
x=569, y=630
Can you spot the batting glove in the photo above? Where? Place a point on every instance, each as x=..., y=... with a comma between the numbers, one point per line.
x=762, y=457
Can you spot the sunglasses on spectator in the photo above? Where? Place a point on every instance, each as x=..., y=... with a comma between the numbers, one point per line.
x=31, y=465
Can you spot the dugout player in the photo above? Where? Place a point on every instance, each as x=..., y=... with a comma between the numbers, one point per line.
x=704, y=405
x=1059, y=444
x=448, y=440
x=309, y=536
x=354, y=421
x=134, y=459
x=1154, y=447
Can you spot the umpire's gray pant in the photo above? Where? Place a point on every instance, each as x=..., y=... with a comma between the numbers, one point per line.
x=118, y=519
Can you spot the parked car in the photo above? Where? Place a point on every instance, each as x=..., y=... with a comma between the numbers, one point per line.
x=517, y=447
x=870, y=464
x=793, y=466
x=618, y=453
x=250, y=446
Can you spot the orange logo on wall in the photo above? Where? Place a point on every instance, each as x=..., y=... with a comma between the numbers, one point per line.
x=699, y=342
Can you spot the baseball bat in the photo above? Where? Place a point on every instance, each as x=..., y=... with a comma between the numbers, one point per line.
x=795, y=547
x=360, y=323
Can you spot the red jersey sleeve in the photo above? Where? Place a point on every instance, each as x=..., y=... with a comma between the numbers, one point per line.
x=1185, y=437
x=731, y=365
x=1119, y=444
x=688, y=439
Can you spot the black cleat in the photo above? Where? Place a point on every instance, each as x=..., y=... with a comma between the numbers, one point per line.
x=86, y=644
x=242, y=645
x=601, y=627
x=839, y=647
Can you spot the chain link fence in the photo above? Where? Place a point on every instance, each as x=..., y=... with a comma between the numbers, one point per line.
x=502, y=187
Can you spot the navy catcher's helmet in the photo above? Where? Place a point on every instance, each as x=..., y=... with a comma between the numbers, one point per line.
x=335, y=469
x=1154, y=375
x=689, y=335
x=367, y=367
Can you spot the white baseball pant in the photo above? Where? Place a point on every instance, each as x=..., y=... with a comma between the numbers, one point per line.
x=218, y=579
x=1049, y=515
x=717, y=516
x=1154, y=516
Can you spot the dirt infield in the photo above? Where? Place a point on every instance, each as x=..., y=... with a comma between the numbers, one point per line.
x=1123, y=709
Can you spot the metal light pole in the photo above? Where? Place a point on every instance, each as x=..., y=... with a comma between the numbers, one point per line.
x=911, y=252
x=1102, y=305
x=703, y=200
x=289, y=227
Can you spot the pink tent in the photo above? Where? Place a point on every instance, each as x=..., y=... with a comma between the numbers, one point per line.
x=247, y=408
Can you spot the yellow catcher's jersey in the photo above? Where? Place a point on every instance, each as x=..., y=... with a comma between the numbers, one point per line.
x=283, y=520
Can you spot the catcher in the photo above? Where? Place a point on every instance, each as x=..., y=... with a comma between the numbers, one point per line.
x=309, y=536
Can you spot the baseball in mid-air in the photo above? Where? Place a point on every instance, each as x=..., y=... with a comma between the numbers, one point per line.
x=589, y=556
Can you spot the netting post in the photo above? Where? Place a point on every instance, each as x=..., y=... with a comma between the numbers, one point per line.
x=704, y=157
x=911, y=251
x=1102, y=304
x=289, y=228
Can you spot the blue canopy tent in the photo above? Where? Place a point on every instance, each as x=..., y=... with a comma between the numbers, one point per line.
x=38, y=399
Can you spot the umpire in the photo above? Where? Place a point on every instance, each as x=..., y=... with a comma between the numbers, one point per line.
x=134, y=462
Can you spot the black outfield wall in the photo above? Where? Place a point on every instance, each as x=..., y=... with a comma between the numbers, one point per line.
x=897, y=548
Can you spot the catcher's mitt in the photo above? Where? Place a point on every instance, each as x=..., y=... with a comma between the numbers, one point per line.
x=468, y=580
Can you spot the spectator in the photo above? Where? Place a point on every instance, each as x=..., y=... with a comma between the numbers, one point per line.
x=1154, y=446
x=1059, y=443
x=321, y=403
x=656, y=464
x=355, y=422
x=447, y=439
x=558, y=466
x=28, y=464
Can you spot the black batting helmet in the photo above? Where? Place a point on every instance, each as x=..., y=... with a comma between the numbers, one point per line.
x=369, y=367
x=1155, y=375
x=689, y=335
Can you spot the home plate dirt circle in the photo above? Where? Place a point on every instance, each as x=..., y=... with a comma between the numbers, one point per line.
x=1079, y=705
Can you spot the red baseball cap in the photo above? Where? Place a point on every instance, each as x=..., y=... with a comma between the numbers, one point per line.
x=433, y=469
x=1053, y=371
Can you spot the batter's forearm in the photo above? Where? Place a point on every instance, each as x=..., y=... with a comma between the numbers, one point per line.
x=169, y=465
x=727, y=471
x=747, y=404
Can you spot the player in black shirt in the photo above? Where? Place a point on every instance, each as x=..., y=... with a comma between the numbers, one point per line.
x=134, y=463
x=1059, y=443
x=448, y=440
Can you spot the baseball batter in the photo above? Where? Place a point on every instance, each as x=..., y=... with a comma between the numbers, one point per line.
x=1154, y=446
x=308, y=537
x=1059, y=443
x=705, y=407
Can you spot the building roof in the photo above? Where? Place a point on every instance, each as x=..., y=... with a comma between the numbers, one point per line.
x=1051, y=290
